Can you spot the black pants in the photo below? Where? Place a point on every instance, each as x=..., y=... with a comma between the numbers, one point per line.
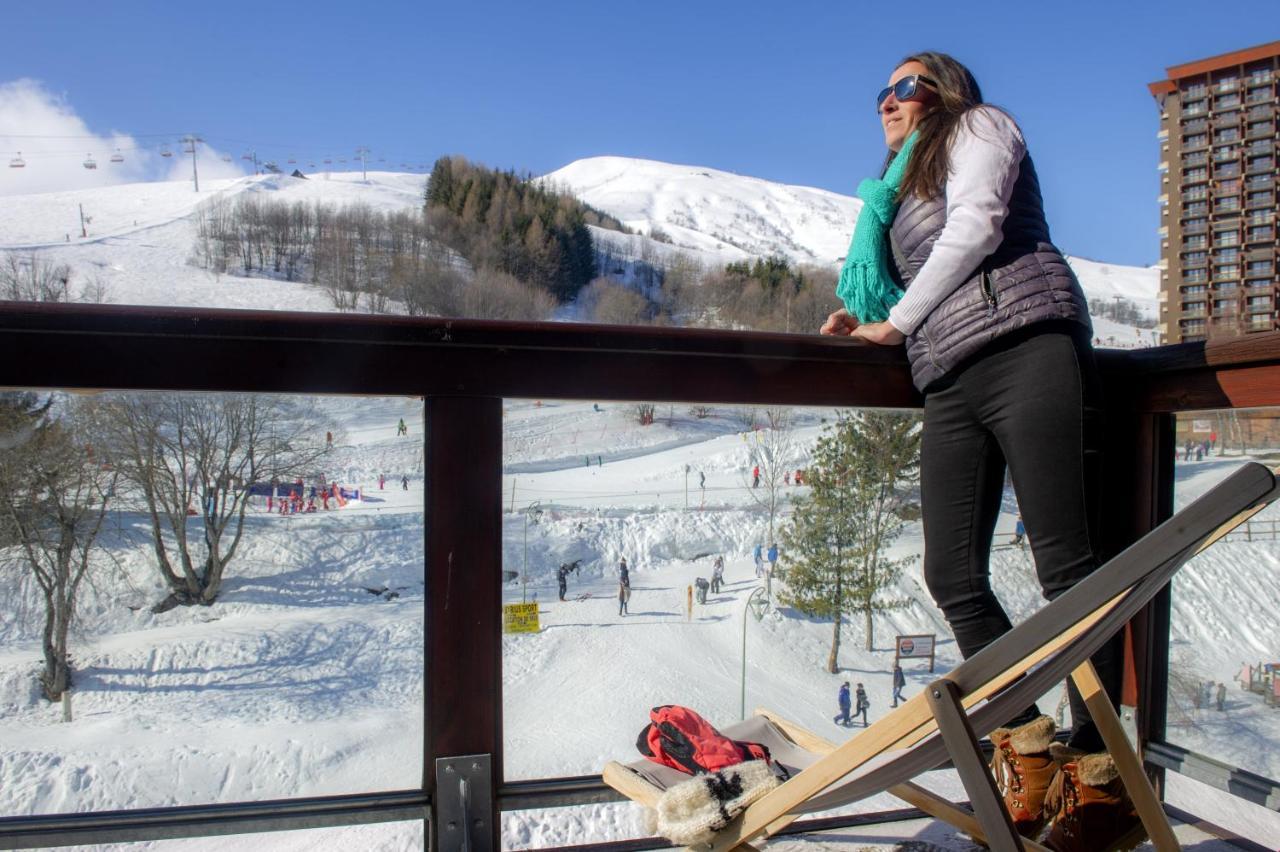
x=1030, y=401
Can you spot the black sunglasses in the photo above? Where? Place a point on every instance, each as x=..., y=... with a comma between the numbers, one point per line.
x=908, y=88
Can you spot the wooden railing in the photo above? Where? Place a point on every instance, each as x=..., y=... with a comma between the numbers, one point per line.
x=464, y=369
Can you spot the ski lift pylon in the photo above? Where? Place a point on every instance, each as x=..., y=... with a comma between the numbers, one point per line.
x=17, y=162
x=89, y=162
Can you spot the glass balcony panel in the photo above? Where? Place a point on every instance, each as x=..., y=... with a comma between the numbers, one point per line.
x=249, y=622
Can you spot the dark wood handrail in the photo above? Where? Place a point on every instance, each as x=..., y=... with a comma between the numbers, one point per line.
x=111, y=346
x=163, y=348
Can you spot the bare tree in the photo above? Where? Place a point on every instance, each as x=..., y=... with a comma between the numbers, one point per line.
x=772, y=450
x=610, y=302
x=192, y=459
x=34, y=279
x=53, y=495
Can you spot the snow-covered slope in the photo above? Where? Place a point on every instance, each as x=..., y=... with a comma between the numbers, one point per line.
x=719, y=216
x=715, y=212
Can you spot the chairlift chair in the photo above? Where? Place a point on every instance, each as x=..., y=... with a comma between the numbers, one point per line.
x=17, y=162
x=328, y=162
x=117, y=157
x=291, y=161
x=226, y=158
x=89, y=162
x=247, y=156
x=165, y=152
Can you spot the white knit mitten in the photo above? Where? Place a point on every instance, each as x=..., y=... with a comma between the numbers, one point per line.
x=693, y=811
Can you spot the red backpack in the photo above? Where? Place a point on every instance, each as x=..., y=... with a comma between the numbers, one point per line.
x=680, y=738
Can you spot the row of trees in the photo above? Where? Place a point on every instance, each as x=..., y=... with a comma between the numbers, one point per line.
x=499, y=220
x=185, y=463
x=32, y=278
x=1122, y=311
x=365, y=259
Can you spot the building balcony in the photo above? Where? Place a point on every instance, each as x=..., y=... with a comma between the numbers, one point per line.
x=1195, y=229
x=1194, y=125
x=1257, y=113
x=1228, y=120
x=1260, y=167
x=1254, y=203
x=1262, y=146
x=1163, y=134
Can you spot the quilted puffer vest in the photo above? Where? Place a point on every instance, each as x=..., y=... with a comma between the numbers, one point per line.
x=1025, y=280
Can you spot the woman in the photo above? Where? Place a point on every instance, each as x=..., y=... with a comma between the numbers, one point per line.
x=952, y=256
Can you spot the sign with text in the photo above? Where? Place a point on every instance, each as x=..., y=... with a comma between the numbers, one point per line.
x=520, y=618
x=916, y=647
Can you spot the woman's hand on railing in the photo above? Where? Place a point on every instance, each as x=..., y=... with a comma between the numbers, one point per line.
x=883, y=333
x=840, y=323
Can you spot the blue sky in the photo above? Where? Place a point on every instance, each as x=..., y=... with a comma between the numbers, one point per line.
x=780, y=91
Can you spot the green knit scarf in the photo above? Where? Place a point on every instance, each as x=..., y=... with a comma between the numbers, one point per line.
x=866, y=286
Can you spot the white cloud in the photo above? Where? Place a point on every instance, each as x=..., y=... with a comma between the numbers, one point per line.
x=55, y=143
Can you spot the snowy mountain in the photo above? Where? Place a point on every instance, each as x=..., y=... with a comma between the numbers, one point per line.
x=719, y=217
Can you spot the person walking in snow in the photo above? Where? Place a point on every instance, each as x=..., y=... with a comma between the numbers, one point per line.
x=382, y=481
x=624, y=587
x=702, y=586
x=1222, y=697
x=404, y=483
x=755, y=477
x=562, y=578
x=861, y=704
x=401, y=429
x=717, y=575
x=758, y=553
x=842, y=718
x=1019, y=531
x=773, y=564
x=899, y=681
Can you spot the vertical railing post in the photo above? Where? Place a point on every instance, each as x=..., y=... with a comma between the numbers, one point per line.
x=1137, y=495
x=463, y=637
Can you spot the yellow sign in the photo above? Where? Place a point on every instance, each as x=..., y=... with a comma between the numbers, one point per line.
x=520, y=618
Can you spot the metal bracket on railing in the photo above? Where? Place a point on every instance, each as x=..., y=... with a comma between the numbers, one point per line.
x=1129, y=723
x=463, y=804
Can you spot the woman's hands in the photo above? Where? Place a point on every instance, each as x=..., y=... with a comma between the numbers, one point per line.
x=843, y=324
x=883, y=333
x=840, y=323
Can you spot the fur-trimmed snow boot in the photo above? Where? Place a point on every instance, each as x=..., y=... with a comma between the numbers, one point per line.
x=1023, y=769
x=1090, y=809
x=693, y=811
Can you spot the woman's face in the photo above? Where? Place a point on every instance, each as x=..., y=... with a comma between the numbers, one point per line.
x=899, y=118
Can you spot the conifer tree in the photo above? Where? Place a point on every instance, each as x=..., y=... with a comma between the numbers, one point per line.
x=835, y=545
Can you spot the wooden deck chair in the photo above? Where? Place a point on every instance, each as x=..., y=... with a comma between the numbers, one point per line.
x=944, y=722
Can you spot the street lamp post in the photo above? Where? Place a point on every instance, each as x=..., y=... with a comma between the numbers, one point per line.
x=757, y=605
x=535, y=509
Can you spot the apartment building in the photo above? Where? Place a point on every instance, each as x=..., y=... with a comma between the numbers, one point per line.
x=1218, y=186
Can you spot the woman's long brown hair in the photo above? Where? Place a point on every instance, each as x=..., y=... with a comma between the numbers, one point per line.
x=957, y=92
